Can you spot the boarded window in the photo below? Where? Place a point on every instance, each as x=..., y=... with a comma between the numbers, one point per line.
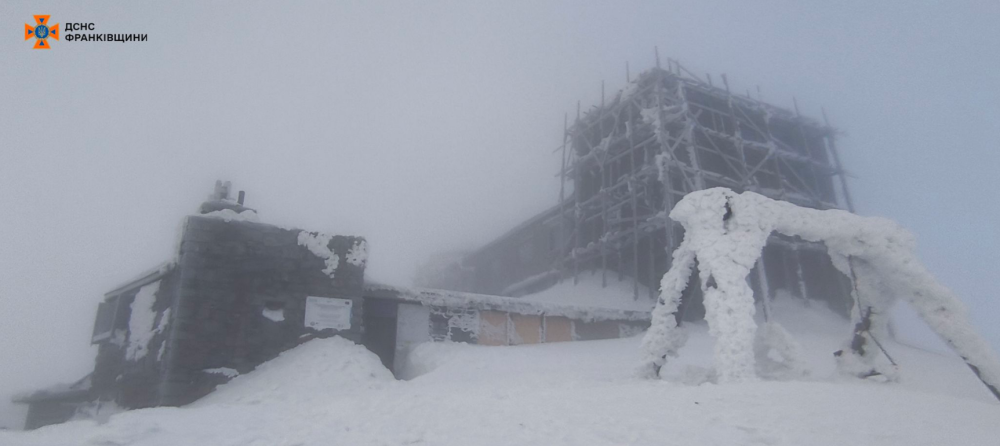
x=492, y=328
x=527, y=329
x=558, y=329
x=456, y=325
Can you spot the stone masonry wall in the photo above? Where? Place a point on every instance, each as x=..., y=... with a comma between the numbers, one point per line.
x=241, y=293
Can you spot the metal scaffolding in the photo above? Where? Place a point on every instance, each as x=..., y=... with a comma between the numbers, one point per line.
x=626, y=162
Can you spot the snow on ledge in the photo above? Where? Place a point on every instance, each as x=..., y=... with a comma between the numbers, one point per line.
x=446, y=298
x=229, y=215
x=319, y=244
x=224, y=371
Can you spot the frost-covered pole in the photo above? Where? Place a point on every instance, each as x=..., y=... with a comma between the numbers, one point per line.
x=604, y=220
x=765, y=297
x=688, y=137
x=664, y=338
x=832, y=145
x=635, y=218
x=664, y=169
x=562, y=172
x=947, y=317
x=800, y=279
x=725, y=237
x=564, y=243
x=576, y=210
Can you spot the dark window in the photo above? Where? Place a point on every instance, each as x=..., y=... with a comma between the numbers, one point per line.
x=104, y=325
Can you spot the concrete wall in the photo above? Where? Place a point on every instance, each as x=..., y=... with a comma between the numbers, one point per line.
x=530, y=249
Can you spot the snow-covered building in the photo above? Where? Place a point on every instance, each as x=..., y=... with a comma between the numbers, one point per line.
x=239, y=292
x=629, y=160
x=397, y=320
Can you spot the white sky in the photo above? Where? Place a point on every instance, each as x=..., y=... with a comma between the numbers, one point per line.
x=430, y=126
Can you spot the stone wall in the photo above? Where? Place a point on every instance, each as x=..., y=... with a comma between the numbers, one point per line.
x=140, y=372
x=132, y=380
x=241, y=293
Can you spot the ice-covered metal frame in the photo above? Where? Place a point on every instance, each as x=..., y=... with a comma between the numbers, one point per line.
x=725, y=233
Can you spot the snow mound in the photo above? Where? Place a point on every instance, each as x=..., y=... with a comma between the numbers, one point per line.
x=617, y=295
x=319, y=370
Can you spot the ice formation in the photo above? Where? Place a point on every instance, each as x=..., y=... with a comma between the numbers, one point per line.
x=358, y=254
x=725, y=233
x=319, y=244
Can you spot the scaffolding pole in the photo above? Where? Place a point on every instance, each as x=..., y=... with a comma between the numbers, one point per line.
x=691, y=135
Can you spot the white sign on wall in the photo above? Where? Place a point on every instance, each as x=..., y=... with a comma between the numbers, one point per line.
x=328, y=312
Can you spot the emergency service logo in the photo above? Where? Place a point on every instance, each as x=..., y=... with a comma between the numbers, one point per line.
x=41, y=31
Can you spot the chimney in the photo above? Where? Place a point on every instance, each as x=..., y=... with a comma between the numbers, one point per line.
x=219, y=199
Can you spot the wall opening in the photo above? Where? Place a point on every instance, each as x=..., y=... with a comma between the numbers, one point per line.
x=380, y=329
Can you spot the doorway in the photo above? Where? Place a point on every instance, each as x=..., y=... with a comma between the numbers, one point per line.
x=380, y=329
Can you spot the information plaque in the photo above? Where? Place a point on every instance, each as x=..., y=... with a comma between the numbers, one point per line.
x=328, y=312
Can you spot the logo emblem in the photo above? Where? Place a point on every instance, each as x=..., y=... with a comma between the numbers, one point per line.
x=41, y=31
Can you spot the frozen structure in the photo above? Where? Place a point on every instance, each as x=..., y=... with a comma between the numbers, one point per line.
x=725, y=233
x=669, y=135
x=628, y=161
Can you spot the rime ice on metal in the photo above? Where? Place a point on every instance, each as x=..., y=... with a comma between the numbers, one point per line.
x=725, y=233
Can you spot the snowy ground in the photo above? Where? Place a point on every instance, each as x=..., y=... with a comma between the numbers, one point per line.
x=330, y=392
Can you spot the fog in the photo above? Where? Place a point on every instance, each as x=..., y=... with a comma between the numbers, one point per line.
x=431, y=126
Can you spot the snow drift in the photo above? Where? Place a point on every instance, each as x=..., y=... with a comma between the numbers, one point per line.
x=318, y=370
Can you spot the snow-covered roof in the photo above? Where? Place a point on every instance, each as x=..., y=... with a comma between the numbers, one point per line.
x=446, y=298
x=77, y=391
